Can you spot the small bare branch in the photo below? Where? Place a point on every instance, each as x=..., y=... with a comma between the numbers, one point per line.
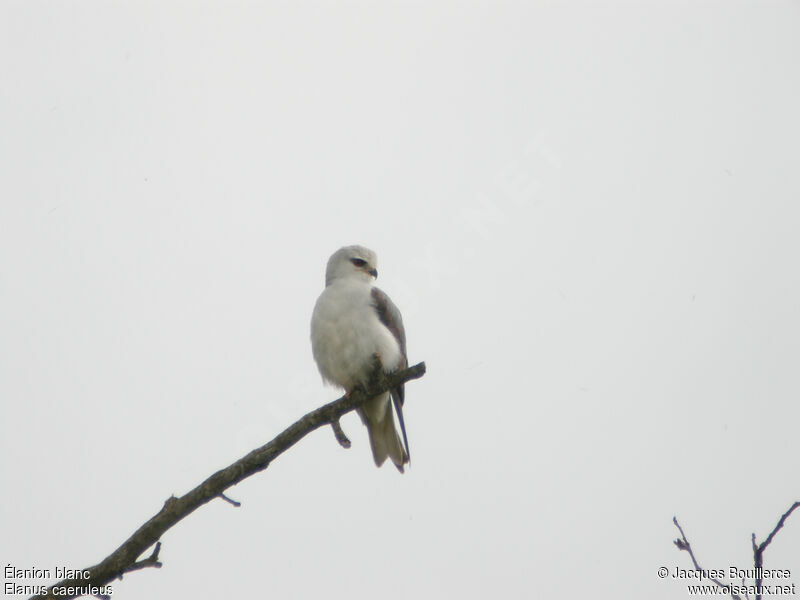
x=683, y=544
x=778, y=527
x=758, y=550
x=150, y=561
x=758, y=553
x=344, y=442
x=230, y=500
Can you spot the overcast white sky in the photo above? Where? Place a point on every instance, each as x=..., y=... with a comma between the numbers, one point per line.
x=587, y=212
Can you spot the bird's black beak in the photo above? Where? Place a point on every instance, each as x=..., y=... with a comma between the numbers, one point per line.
x=374, y=273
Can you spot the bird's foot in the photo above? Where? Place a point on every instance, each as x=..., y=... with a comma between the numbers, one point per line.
x=376, y=374
x=348, y=392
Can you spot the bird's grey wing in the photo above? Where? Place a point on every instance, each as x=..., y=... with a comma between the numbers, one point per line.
x=391, y=318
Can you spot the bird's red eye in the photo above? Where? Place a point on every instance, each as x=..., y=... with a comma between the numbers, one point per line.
x=358, y=262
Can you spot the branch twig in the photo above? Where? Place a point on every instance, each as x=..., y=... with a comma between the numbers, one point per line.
x=683, y=544
x=339, y=433
x=150, y=561
x=758, y=550
x=231, y=501
x=123, y=559
x=758, y=554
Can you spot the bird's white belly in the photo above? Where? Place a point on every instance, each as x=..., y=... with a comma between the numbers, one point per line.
x=346, y=333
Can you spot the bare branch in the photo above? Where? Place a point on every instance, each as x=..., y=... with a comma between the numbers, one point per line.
x=778, y=527
x=150, y=561
x=230, y=500
x=683, y=544
x=123, y=559
x=344, y=442
x=758, y=553
x=758, y=550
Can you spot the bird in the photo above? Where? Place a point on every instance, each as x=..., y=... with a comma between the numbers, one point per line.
x=355, y=326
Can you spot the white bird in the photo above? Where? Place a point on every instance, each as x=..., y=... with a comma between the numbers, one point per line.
x=353, y=324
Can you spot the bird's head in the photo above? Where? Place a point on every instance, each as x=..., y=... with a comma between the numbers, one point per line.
x=352, y=262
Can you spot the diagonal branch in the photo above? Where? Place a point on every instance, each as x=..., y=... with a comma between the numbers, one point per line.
x=683, y=544
x=758, y=550
x=778, y=527
x=123, y=559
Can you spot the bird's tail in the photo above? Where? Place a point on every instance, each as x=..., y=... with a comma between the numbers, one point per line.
x=383, y=437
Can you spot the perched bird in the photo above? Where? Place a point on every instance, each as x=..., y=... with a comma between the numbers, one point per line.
x=353, y=325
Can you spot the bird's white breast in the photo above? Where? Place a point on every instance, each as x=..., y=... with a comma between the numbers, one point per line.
x=346, y=333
